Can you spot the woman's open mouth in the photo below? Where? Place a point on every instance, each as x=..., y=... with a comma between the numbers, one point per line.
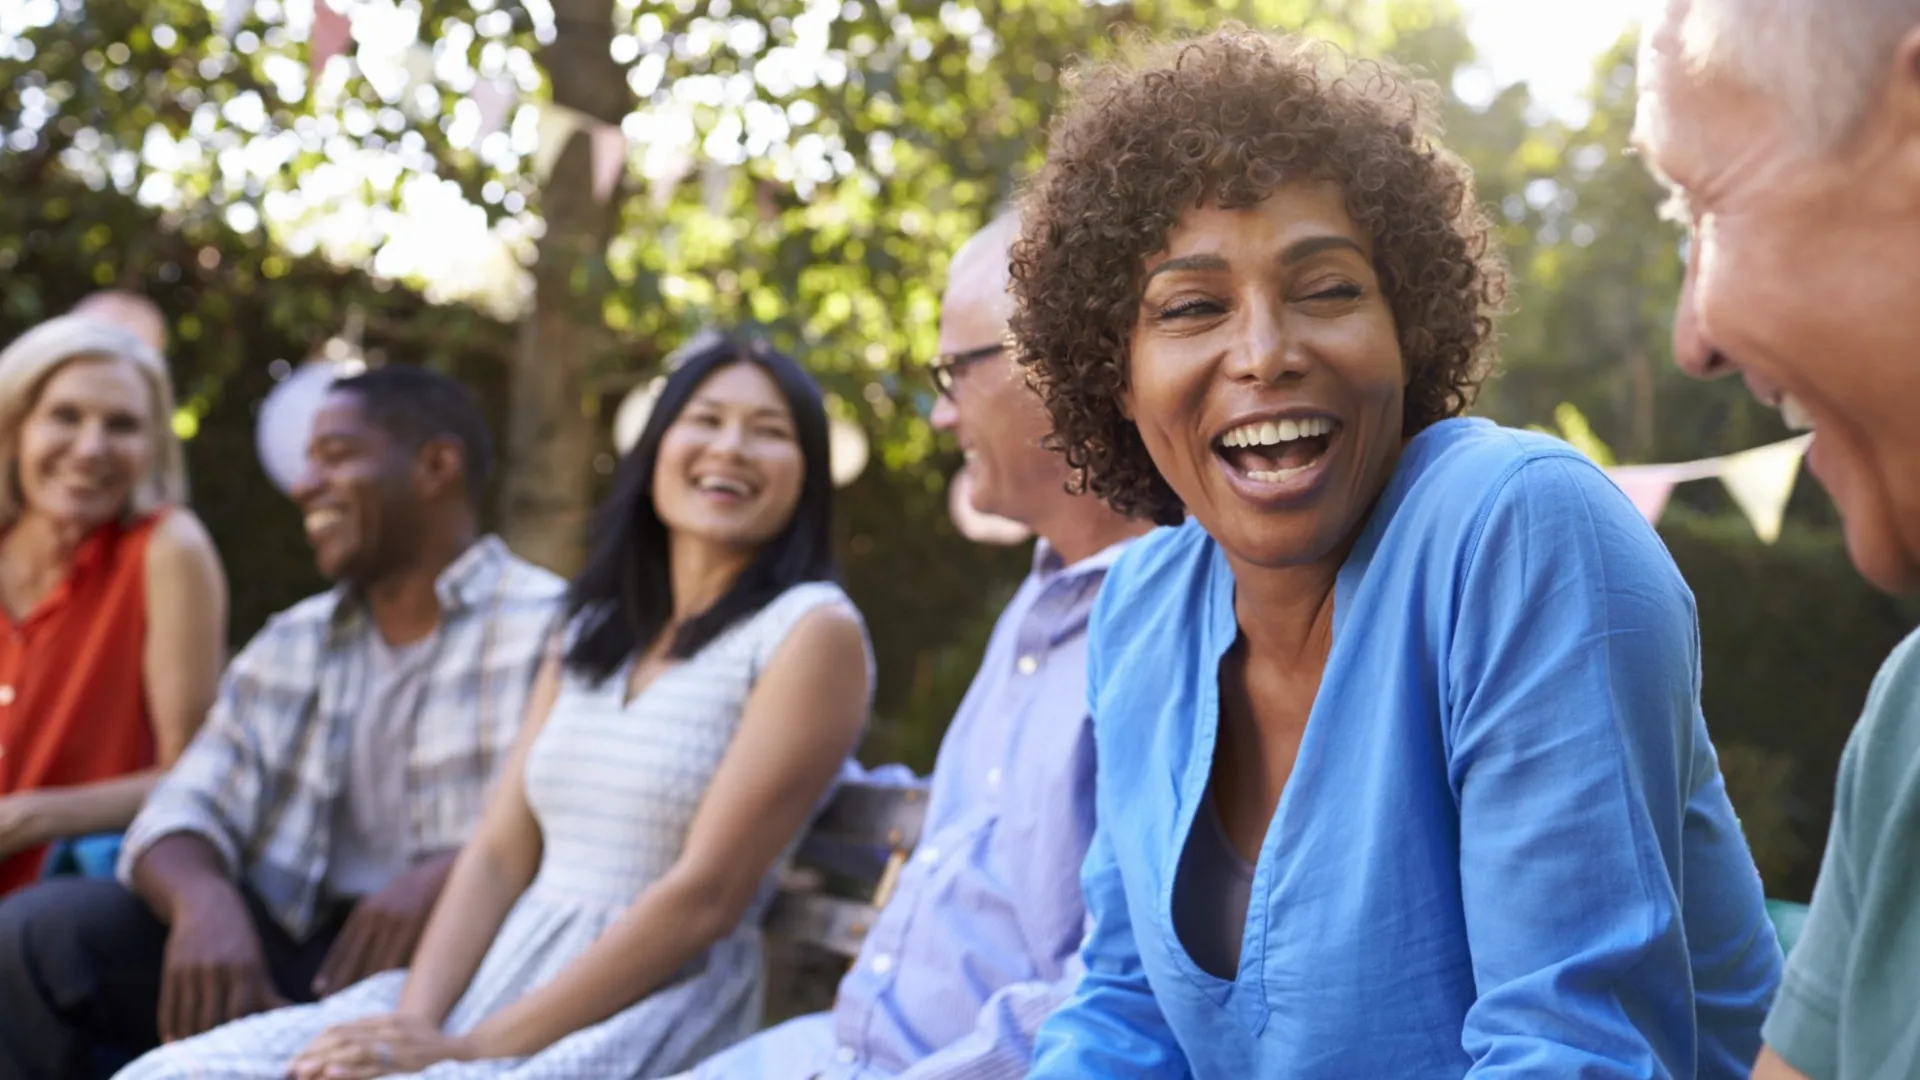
x=727, y=490
x=1278, y=456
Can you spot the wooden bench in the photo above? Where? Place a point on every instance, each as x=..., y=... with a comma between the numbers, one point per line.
x=843, y=874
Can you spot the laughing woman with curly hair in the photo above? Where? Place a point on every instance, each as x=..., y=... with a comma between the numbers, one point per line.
x=1402, y=770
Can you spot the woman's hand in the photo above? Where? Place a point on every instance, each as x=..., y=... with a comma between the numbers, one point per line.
x=24, y=822
x=378, y=1046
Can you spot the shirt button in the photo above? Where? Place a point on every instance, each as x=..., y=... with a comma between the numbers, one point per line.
x=993, y=777
x=6, y=695
x=845, y=1055
x=1028, y=665
x=929, y=854
x=882, y=964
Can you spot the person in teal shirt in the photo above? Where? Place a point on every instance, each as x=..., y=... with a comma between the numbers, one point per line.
x=1790, y=133
x=1401, y=769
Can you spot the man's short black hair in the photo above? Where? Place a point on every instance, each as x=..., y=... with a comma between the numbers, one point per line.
x=414, y=405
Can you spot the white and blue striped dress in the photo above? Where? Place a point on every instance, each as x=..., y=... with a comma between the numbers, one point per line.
x=614, y=788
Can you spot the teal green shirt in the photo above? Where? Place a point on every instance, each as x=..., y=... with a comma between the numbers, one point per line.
x=1849, y=1007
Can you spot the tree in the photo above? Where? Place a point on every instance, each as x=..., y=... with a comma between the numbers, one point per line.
x=841, y=151
x=1596, y=288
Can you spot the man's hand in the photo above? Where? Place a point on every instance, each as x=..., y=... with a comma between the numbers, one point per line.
x=384, y=928
x=378, y=1046
x=213, y=971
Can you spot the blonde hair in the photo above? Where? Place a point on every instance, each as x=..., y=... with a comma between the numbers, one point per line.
x=35, y=357
x=1823, y=61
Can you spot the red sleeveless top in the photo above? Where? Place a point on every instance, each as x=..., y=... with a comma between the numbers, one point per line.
x=73, y=703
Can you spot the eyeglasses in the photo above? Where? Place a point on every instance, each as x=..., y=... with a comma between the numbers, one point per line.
x=945, y=367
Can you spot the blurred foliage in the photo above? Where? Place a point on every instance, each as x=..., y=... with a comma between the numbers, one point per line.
x=1572, y=426
x=1790, y=637
x=807, y=167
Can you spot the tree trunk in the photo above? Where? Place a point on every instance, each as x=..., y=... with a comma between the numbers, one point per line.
x=547, y=482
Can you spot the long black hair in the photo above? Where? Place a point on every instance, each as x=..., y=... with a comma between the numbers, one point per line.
x=624, y=596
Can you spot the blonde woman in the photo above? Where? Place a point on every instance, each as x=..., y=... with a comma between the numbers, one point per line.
x=113, y=605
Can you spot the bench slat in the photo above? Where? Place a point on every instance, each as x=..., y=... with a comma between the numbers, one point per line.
x=827, y=922
x=860, y=839
x=873, y=815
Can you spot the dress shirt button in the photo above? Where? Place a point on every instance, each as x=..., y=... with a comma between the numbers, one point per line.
x=882, y=964
x=6, y=695
x=845, y=1055
x=930, y=854
x=1028, y=665
x=993, y=777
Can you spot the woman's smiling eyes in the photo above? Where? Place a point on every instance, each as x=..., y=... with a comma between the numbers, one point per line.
x=711, y=419
x=1188, y=307
x=1344, y=290
x=1195, y=307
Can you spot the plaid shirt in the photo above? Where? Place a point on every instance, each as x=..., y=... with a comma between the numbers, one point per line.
x=261, y=779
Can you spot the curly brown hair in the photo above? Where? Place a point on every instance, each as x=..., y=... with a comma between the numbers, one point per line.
x=1226, y=118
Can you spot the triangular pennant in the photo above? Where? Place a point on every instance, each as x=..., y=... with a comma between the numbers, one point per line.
x=329, y=38
x=1761, y=481
x=233, y=15
x=495, y=102
x=715, y=179
x=418, y=64
x=1649, y=486
x=665, y=167
x=556, y=128
x=609, y=159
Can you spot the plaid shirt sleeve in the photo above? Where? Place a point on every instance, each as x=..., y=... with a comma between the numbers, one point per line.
x=218, y=788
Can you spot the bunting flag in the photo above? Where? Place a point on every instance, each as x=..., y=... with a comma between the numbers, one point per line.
x=495, y=102
x=233, y=15
x=609, y=159
x=715, y=178
x=1759, y=480
x=329, y=38
x=556, y=128
x=665, y=167
x=418, y=64
x=1649, y=486
x=558, y=125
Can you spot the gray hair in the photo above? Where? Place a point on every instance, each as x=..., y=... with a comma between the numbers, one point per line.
x=35, y=356
x=1823, y=61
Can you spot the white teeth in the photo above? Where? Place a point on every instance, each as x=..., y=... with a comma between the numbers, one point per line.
x=1271, y=433
x=321, y=519
x=722, y=484
x=1794, y=414
x=1274, y=476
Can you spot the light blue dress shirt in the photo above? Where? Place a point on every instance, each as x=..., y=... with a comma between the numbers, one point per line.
x=1505, y=850
x=976, y=945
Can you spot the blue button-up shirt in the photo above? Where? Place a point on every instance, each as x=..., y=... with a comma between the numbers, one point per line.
x=1504, y=851
x=974, y=949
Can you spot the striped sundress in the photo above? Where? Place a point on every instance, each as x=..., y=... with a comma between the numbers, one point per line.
x=614, y=788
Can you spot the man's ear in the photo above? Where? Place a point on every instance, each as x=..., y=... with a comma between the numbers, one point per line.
x=1903, y=91
x=441, y=464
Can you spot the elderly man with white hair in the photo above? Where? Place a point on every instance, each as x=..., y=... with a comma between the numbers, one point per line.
x=1789, y=131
